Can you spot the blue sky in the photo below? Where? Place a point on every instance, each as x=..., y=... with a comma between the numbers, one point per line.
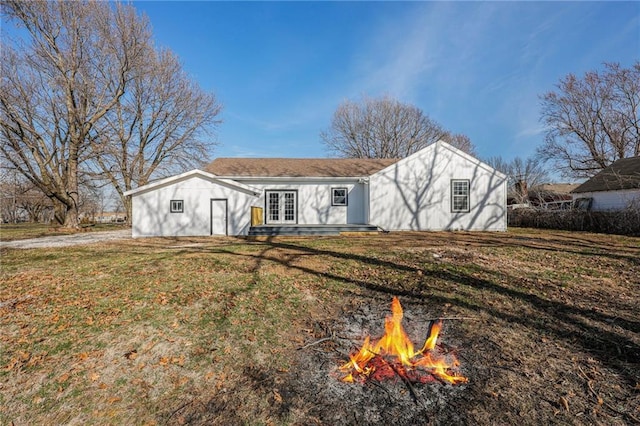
x=282, y=68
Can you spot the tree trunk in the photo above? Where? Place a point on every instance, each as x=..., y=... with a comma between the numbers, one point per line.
x=71, y=219
x=59, y=212
x=128, y=208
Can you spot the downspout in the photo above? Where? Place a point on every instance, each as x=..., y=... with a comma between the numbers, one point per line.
x=504, y=203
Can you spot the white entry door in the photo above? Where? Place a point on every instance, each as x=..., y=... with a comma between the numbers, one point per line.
x=281, y=207
x=219, y=217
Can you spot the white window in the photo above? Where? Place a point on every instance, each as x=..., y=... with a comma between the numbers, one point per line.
x=338, y=196
x=176, y=206
x=460, y=196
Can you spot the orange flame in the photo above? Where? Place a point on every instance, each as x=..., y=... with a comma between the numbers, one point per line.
x=394, y=355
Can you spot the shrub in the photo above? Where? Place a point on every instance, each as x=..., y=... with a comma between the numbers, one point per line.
x=623, y=222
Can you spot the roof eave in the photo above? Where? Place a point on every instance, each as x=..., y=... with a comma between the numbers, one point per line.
x=196, y=172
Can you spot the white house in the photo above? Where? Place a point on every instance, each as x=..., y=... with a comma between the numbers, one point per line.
x=437, y=188
x=614, y=188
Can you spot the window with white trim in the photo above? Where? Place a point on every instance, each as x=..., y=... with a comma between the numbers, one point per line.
x=176, y=206
x=460, y=196
x=338, y=196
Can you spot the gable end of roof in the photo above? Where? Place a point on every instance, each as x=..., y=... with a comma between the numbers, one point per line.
x=188, y=175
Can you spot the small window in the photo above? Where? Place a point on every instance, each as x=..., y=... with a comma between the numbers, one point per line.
x=583, y=204
x=460, y=196
x=176, y=206
x=338, y=196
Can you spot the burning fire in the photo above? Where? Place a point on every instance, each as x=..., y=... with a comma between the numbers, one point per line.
x=394, y=354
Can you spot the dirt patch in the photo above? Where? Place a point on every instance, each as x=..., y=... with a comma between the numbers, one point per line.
x=68, y=240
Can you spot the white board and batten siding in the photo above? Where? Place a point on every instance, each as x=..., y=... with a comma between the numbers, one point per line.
x=209, y=207
x=611, y=200
x=415, y=193
x=313, y=199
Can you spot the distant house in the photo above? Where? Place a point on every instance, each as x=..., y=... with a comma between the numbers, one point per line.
x=111, y=217
x=614, y=188
x=551, y=196
x=437, y=188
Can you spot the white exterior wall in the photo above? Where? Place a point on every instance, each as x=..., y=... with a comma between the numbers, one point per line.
x=152, y=217
x=415, y=193
x=611, y=200
x=314, y=200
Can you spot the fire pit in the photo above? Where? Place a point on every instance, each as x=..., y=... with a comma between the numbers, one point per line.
x=324, y=386
x=393, y=355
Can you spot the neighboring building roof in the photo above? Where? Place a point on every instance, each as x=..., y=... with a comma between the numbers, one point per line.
x=297, y=167
x=556, y=188
x=622, y=174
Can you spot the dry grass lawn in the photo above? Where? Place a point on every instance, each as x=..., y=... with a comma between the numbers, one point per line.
x=208, y=330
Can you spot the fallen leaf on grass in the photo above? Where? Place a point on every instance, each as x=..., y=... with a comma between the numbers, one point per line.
x=94, y=376
x=277, y=396
x=563, y=401
x=114, y=399
x=63, y=378
x=131, y=354
x=178, y=360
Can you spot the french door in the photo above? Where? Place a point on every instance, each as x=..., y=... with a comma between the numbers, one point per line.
x=282, y=207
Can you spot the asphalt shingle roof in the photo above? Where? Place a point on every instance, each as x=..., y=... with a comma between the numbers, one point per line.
x=622, y=174
x=297, y=167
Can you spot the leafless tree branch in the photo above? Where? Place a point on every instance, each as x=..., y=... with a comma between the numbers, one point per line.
x=592, y=121
x=384, y=128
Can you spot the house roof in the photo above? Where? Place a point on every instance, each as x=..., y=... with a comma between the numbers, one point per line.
x=620, y=175
x=297, y=167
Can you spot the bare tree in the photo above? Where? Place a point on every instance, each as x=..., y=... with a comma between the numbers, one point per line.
x=521, y=174
x=20, y=199
x=592, y=121
x=162, y=125
x=380, y=128
x=59, y=84
x=34, y=202
x=460, y=141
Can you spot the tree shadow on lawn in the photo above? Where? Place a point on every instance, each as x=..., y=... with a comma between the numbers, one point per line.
x=578, y=244
x=577, y=324
x=550, y=317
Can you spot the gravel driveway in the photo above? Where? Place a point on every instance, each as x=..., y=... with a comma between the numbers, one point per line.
x=68, y=240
